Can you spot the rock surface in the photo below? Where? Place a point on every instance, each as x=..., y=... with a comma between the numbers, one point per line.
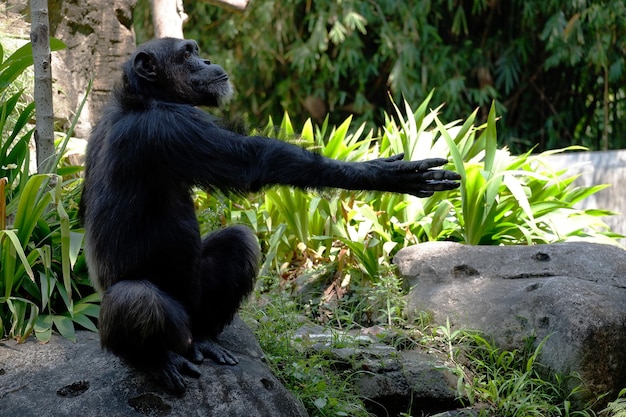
x=390, y=381
x=63, y=378
x=572, y=293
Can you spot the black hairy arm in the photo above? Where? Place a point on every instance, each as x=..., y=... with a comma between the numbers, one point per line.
x=221, y=159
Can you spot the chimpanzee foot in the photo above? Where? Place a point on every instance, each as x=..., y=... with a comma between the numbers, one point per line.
x=171, y=375
x=208, y=348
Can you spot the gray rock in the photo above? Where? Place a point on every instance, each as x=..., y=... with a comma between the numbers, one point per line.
x=62, y=378
x=465, y=412
x=410, y=380
x=390, y=381
x=575, y=293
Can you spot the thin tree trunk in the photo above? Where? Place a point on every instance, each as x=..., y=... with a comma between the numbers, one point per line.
x=168, y=17
x=238, y=5
x=44, y=121
x=605, y=108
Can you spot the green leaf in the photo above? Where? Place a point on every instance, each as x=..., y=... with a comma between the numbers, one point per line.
x=31, y=206
x=85, y=322
x=286, y=127
x=65, y=326
x=64, y=226
x=43, y=328
x=335, y=145
x=11, y=248
x=87, y=308
x=320, y=402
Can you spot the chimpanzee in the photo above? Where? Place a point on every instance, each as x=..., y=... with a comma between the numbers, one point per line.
x=166, y=293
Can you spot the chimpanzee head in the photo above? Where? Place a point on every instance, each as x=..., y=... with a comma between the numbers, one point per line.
x=171, y=70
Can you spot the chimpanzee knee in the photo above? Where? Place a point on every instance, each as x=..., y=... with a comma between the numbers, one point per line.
x=143, y=324
x=226, y=271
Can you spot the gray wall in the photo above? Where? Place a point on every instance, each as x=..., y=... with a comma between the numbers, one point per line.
x=604, y=167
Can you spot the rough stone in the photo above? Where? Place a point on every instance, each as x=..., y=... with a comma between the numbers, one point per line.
x=573, y=294
x=63, y=378
x=391, y=381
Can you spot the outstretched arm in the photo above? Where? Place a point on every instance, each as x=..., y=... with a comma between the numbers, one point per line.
x=276, y=162
x=204, y=154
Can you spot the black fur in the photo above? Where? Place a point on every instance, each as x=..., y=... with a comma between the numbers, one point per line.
x=166, y=293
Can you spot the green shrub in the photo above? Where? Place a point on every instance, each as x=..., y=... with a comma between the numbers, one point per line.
x=616, y=408
x=510, y=383
x=310, y=375
x=39, y=243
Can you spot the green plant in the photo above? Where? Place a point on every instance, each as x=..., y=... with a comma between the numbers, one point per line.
x=308, y=374
x=38, y=246
x=515, y=199
x=503, y=199
x=510, y=382
x=616, y=408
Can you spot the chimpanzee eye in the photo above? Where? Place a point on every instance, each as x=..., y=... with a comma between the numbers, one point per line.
x=187, y=54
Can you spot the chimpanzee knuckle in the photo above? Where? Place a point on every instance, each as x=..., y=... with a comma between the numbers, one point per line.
x=196, y=355
x=417, y=177
x=451, y=185
x=214, y=351
x=440, y=175
x=434, y=175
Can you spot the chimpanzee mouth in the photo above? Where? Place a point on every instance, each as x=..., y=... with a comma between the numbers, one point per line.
x=220, y=79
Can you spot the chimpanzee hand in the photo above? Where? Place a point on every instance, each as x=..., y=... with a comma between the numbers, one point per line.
x=412, y=177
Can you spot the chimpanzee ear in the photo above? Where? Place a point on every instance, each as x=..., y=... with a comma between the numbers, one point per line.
x=145, y=66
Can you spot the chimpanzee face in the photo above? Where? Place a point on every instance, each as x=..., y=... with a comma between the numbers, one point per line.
x=172, y=70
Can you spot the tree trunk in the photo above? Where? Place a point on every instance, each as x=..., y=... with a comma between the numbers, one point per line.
x=42, y=91
x=99, y=37
x=238, y=5
x=168, y=17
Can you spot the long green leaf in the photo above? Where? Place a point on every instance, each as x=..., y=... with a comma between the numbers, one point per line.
x=64, y=225
x=31, y=206
x=65, y=326
x=10, y=249
x=491, y=138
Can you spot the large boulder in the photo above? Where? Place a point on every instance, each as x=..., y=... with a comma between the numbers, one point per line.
x=62, y=378
x=572, y=293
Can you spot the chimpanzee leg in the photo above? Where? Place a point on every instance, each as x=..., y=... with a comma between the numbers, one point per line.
x=226, y=272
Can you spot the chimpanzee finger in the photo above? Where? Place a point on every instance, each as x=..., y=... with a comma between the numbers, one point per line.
x=396, y=157
x=426, y=189
x=172, y=380
x=210, y=349
x=440, y=185
x=426, y=164
x=171, y=373
x=440, y=174
x=183, y=365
